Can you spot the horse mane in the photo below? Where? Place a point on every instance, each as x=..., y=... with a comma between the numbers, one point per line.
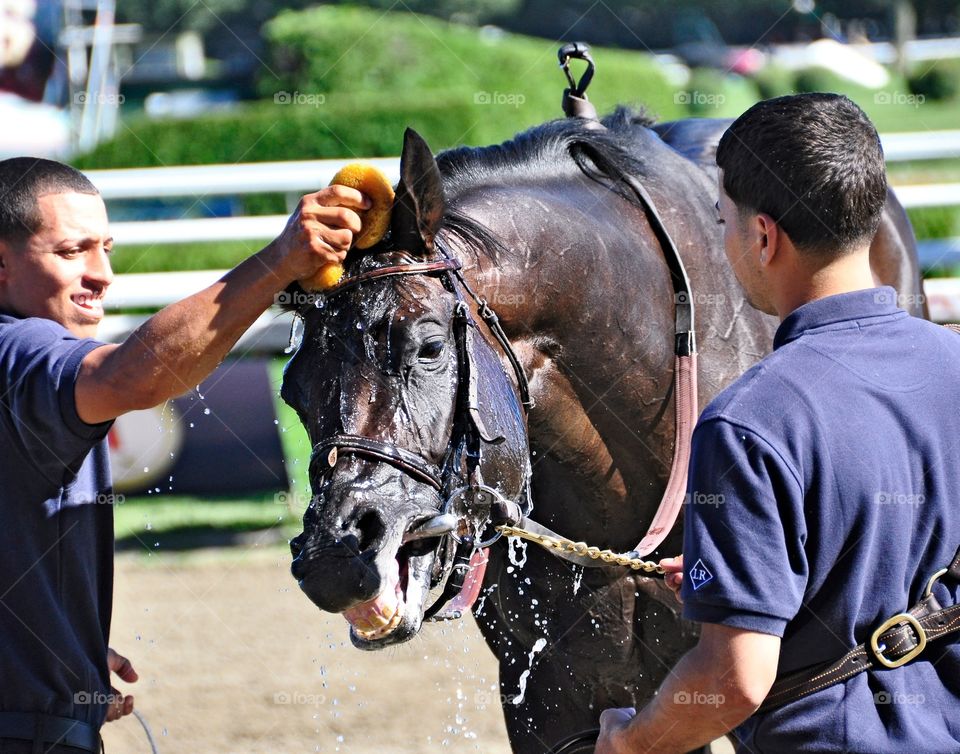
x=557, y=149
x=565, y=148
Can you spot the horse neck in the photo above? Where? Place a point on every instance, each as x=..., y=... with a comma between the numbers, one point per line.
x=581, y=268
x=586, y=298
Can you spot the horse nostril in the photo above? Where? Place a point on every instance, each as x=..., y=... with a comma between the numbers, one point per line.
x=296, y=544
x=370, y=529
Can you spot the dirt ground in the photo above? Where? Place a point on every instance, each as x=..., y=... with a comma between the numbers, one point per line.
x=233, y=658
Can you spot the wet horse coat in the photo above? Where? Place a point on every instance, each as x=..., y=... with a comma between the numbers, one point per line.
x=573, y=269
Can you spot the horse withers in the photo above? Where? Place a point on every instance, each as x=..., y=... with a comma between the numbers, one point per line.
x=407, y=398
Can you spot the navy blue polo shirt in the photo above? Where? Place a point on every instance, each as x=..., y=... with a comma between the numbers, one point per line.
x=56, y=537
x=824, y=491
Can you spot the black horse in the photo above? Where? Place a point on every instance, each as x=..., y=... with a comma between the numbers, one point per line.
x=402, y=391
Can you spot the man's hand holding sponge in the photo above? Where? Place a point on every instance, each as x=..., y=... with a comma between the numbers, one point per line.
x=374, y=217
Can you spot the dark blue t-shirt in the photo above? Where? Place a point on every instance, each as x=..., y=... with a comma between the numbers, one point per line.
x=824, y=492
x=56, y=538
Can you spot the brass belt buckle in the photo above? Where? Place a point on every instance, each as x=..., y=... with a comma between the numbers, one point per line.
x=890, y=623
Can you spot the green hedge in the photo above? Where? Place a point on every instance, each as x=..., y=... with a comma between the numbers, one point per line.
x=345, y=82
x=713, y=94
x=936, y=80
x=348, y=50
x=266, y=131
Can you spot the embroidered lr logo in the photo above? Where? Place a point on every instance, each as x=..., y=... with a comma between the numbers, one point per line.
x=699, y=575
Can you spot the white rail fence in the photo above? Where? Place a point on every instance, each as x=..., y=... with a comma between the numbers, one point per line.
x=270, y=332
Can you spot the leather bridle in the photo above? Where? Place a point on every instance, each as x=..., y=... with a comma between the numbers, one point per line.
x=468, y=500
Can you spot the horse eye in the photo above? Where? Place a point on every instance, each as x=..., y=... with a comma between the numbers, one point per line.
x=431, y=349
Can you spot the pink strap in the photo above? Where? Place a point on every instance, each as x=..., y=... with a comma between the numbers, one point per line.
x=468, y=594
x=687, y=411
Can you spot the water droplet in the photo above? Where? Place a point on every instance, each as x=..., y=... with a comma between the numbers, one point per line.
x=296, y=335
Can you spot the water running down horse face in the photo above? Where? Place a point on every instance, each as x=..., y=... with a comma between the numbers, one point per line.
x=381, y=362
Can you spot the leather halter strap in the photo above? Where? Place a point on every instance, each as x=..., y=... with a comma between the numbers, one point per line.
x=686, y=406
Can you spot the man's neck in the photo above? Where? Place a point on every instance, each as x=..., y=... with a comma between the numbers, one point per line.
x=851, y=272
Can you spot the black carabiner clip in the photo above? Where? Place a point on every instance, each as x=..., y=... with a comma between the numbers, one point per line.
x=578, y=51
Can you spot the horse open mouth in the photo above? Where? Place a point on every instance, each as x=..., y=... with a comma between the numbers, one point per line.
x=396, y=614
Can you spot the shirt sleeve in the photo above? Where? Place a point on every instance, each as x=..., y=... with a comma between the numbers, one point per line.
x=39, y=365
x=744, y=532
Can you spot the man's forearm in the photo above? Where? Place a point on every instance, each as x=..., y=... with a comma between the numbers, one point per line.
x=693, y=707
x=178, y=347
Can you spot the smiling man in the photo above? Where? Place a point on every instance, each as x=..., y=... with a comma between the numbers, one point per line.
x=833, y=459
x=60, y=391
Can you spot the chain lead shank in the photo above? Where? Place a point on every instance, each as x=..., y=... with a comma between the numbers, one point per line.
x=583, y=549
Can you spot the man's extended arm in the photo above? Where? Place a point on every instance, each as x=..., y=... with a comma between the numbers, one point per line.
x=181, y=345
x=715, y=687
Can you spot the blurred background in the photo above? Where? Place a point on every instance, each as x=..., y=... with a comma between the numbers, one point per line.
x=203, y=121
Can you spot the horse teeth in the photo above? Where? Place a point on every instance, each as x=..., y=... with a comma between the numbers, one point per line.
x=382, y=631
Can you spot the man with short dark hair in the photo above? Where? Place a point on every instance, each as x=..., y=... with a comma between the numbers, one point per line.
x=834, y=461
x=60, y=391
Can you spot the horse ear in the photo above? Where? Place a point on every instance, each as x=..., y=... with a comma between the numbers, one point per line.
x=419, y=205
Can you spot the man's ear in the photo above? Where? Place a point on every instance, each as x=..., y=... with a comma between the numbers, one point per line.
x=4, y=255
x=768, y=237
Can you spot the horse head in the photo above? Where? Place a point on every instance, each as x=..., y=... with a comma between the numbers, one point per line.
x=416, y=426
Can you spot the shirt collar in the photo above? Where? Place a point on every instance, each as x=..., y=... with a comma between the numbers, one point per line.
x=843, y=307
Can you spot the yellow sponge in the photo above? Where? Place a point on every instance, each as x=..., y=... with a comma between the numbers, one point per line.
x=375, y=221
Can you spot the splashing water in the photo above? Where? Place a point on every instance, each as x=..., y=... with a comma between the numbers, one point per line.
x=578, y=577
x=537, y=648
x=296, y=335
x=519, y=560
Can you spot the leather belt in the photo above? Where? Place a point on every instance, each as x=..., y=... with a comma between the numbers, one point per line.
x=895, y=642
x=49, y=729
